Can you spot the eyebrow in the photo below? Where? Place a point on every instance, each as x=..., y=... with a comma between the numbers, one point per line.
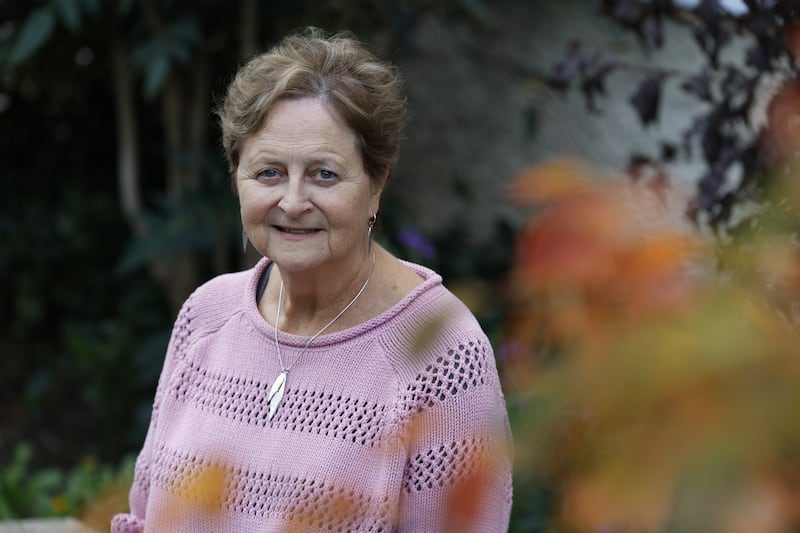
x=262, y=159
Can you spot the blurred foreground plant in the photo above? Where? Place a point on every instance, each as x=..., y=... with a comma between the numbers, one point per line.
x=656, y=394
x=90, y=490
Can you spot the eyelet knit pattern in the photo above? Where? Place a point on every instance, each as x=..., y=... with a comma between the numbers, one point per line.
x=447, y=464
x=370, y=437
x=245, y=400
x=449, y=375
x=310, y=503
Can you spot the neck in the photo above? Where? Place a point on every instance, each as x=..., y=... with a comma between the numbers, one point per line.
x=309, y=302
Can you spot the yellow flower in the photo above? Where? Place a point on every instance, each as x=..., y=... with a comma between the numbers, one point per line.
x=59, y=504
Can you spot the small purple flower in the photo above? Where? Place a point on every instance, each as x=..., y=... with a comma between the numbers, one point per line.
x=416, y=241
x=506, y=351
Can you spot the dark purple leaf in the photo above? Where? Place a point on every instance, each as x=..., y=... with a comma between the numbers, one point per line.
x=752, y=5
x=752, y=161
x=697, y=129
x=722, y=210
x=647, y=98
x=564, y=72
x=637, y=165
x=653, y=30
x=708, y=189
x=699, y=85
x=626, y=12
x=711, y=34
x=770, y=30
x=733, y=82
x=668, y=152
x=742, y=110
x=713, y=137
x=593, y=82
x=709, y=12
x=764, y=53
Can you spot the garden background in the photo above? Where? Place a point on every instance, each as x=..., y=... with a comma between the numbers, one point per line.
x=115, y=204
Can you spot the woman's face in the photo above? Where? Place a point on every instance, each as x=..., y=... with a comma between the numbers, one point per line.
x=305, y=197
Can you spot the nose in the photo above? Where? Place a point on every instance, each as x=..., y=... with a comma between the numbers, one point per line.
x=295, y=201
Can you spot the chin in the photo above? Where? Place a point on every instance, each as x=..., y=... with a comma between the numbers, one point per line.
x=288, y=263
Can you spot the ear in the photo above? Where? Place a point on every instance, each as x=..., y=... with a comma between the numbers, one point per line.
x=376, y=186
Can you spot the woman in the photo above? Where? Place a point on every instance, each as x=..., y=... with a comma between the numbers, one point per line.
x=332, y=387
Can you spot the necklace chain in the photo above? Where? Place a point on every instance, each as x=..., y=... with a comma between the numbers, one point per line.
x=284, y=368
x=279, y=385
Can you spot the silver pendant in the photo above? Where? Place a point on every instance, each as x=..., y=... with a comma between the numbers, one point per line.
x=276, y=394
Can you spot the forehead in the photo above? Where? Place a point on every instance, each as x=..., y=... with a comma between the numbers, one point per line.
x=302, y=124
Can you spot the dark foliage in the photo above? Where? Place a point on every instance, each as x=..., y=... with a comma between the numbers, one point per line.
x=80, y=346
x=84, y=324
x=722, y=134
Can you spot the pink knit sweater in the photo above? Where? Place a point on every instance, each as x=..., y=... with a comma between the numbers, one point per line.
x=398, y=424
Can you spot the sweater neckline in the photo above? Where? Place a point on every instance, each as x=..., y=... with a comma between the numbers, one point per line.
x=430, y=278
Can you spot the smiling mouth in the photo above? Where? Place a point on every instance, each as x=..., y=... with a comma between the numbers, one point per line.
x=296, y=231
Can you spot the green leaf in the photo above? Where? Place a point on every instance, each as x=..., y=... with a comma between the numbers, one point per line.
x=155, y=73
x=19, y=464
x=45, y=481
x=188, y=30
x=169, y=47
x=34, y=33
x=195, y=224
x=70, y=13
x=6, y=509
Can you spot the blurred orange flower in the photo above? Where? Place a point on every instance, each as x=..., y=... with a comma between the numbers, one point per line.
x=665, y=393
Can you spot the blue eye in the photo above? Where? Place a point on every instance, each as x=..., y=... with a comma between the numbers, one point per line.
x=326, y=175
x=268, y=173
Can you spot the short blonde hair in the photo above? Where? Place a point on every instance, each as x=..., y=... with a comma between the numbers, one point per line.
x=364, y=91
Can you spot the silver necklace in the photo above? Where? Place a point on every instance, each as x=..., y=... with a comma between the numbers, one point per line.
x=279, y=385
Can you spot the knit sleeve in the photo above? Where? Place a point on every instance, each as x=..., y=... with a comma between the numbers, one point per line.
x=133, y=522
x=458, y=470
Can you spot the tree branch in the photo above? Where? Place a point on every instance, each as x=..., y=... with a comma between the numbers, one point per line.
x=127, y=141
